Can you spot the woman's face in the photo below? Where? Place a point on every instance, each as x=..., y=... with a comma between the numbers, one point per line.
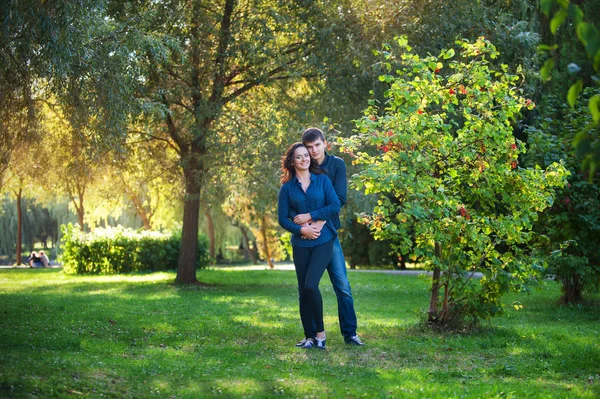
x=301, y=160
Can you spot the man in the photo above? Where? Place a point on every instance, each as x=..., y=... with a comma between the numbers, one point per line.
x=335, y=168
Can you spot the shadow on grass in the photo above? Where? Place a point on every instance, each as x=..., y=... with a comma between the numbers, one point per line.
x=141, y=335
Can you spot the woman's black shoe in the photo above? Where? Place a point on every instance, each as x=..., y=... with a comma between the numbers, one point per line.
x=321, y=344
x=301, y=342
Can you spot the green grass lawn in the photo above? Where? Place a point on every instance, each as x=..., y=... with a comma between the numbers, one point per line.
x=140, y=336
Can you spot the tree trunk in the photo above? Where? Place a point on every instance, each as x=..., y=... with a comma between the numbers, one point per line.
x=571, y=289
x=79, y=207
x=263, y=233
x=211, y=232
x=139, y=207
x=80, y=214
x=186, y=269
x=445, y=314
x=18, y=257
x=250, y=253
x=255, y=250
x=435, y=288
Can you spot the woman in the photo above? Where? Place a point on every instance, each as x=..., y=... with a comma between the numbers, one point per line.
x=305, y=191
x=44, y=259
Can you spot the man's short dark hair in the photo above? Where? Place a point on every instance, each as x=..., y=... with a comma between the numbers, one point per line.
x=312, y=134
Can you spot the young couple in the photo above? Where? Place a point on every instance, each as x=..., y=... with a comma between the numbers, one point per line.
x=313, y=191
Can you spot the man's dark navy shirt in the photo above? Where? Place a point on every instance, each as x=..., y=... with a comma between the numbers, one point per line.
x=320, y=200
x=335, y=168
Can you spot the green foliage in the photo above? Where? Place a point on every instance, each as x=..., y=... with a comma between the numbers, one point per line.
x=443, y=160
x=572, y=224
x=588, y=35
x=120, y=250
x=360, y=248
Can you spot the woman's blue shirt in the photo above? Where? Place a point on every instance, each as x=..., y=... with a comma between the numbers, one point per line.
x=320, y=200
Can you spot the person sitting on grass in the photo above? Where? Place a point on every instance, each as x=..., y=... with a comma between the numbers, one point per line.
x=44, y=258
x=34, y=260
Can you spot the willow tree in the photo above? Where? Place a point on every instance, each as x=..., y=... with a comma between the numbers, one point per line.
x=207, y=55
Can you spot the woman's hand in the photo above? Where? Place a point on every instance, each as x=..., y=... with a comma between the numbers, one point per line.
x=302, y=218
x=310, y=232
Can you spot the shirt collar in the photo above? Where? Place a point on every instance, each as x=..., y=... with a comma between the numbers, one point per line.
x=312, y=178
x=325, y=160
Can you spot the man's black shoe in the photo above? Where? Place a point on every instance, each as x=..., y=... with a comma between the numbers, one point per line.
x=309, y=344
x=353, y=340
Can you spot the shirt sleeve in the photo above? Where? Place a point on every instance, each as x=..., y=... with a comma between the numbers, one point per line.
x=283, y=211
x=340, y=184
x=332, y=209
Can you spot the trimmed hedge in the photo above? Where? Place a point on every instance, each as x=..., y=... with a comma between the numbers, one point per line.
x=119, y=250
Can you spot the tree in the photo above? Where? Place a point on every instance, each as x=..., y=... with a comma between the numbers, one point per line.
x=588, y=35
x=60, y=47
x=210, y=55
x=20, y=181
x=572, y=224
x=143, y=170
x=443, y=160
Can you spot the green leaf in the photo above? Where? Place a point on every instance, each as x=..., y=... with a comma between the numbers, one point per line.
x=448, y=54
x=576, y=14
x=582, y=142
x=594, y=106
x=589, y=36
x=547, y=47
x=547, y=69
x=546, y=6
x=557, y=20
x=574, y=91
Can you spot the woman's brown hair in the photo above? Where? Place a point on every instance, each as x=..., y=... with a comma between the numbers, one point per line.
x=287, y=164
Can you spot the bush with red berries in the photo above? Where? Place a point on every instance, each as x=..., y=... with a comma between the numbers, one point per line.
x=441, y=156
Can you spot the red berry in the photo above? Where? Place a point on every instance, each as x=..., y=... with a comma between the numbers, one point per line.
x=513, y=146
x=451, y=91
x=419, y=112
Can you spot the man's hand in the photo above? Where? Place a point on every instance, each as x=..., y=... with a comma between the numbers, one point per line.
x=310, y=232
x=302, y=218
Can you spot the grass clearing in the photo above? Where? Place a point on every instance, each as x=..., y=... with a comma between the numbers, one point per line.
x=135, y=336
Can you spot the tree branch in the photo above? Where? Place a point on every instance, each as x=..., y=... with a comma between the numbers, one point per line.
x=224, y=38
x=256, y=82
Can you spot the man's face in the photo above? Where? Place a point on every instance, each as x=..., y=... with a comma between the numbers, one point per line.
x=316, y=149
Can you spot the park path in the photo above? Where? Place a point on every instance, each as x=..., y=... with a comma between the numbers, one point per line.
x=284, y=266
x=290, y=266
